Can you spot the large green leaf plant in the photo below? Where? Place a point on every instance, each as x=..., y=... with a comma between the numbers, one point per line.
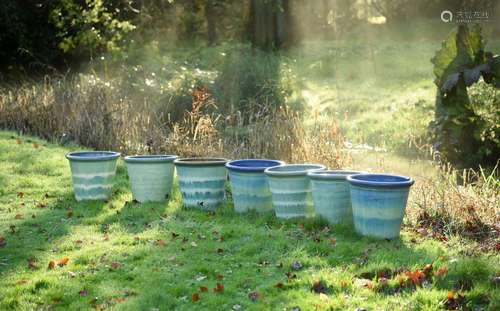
x=457, y=128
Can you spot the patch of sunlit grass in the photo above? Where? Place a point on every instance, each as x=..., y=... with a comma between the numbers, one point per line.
x=132, y=256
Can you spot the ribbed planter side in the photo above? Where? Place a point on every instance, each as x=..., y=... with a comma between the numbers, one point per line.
x=332, y=200
x=249, y=187
x=331, y=195
x=151, y=177
x=93, y=179
x=201, y=186
x=291, y=190
x=250, y=191
x=291, y=197
x=378, y=211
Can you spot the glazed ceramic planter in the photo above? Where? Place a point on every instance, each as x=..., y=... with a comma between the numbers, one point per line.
x=291, y=189
x=151, y=176
x=378, y=203
x=249, y=186
x=93, y=173
x=331, y=195
x=201, y=181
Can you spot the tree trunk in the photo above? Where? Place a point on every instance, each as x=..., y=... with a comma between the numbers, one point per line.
x=210, y=18
x=269, y=23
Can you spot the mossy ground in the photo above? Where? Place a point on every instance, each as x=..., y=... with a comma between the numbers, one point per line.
x=124, y=255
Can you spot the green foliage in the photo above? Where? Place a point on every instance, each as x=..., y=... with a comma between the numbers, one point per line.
x=26, y=39
x=254, y=81
x=89, y=26
x=461, y=132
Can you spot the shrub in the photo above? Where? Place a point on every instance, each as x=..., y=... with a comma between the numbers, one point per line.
x=462, y=129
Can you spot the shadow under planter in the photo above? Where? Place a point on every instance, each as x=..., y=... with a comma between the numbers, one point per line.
x=93, y=173
x=331, y=195
x=378, y=203
x=291, y=189
x=201, y=181
x=249, y=186
x=151, y=176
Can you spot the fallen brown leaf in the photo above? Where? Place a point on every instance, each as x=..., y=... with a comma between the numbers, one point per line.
x=203, y=289
x=63, y=261
x=195, y=297
x=319, y=287
x=52, y=265
x=416, y=277
x=3, y=242
x=441, y=271
x=119, y=299
x=19, y=216
x=363, y=283
x=254, y=296
x=32, y=263
x=219, y=288
x=450, y=295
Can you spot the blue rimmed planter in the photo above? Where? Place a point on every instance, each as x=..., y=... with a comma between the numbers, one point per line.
x=201, y=181
x=249, y=186
x=378, y=203
x=93, y=173
x=331, y=195
x=151, y=176
x=291, y=189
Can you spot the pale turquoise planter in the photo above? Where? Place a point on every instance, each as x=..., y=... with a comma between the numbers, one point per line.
x=379, y=203
x=249, y=187
x=151, y=176
x=331, y=195
x=291, y=189
x=201, y=181
x=93, y=173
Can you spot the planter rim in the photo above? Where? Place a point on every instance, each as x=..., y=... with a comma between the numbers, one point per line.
x=154, y=158
x=252, y=165
x=333, y=174
x=92, y=156
x=293, y=169
x=202, y=161
x=380, y=180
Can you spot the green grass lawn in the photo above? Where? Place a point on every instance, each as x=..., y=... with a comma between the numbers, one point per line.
x=124, y=255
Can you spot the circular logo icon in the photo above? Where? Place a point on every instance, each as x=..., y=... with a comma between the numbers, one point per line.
x=446, y=16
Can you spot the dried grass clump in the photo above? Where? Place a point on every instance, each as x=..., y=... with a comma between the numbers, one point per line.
x=280, y=134
x=98, y=114
x=458, y=202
